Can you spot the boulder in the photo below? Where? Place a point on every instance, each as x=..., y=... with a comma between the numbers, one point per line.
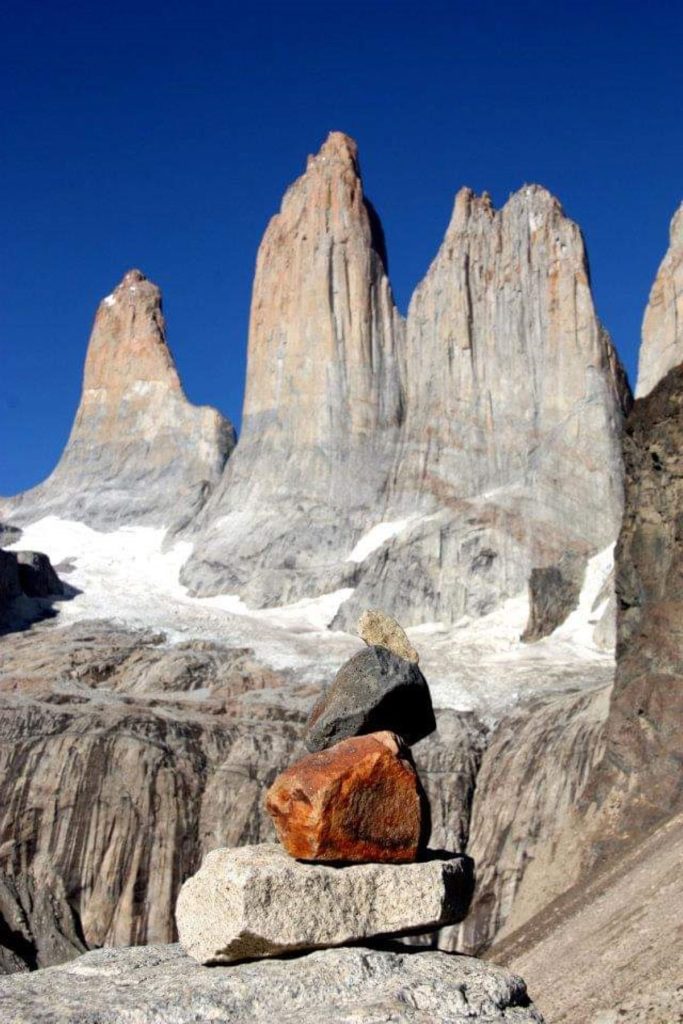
x=379, y=630
x=149, y=984
x=36, y=575
x=256, y=901
x=10, y=585
x=360, y=800
x=372, y=691
x=554, y=592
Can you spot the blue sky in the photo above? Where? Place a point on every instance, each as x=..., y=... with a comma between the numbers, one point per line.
x=162, y=135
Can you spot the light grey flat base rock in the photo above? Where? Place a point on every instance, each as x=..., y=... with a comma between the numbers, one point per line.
x=256, y=901
x=161, y=985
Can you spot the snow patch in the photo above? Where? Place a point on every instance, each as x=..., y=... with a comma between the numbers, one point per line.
x=109, y=300
x=128, y=577
x=142, y=387
x=375, y=538
x=310, y=613
x=579, y=626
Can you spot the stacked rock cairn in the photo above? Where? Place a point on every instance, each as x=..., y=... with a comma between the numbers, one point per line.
x=353, y=823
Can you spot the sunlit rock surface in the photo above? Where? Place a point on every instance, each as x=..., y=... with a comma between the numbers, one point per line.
x=138, y=451
x=662, y=344
x=323, y=400
x=427, y=465
x=510, y=450
x=161, y=983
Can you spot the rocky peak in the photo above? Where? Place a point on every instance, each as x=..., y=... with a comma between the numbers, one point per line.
x=338, y=146
x=323, y=357
x=484, y=434
x=662, y=342
x=324, y=394
x=514, y=403
x=128, y=341
x=138, y=450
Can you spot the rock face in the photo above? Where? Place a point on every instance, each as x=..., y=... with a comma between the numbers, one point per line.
x=662, y=344
x=360, y=800
x=553, y=594
x=618, y=931
x=637, y=784
x=115, y=780
x=510, y=449
x=124, y=760
x=160, y=983
x=323, y=400
x=373, y=690
x=257, y=902
x=432, y=465
x=533, y=773
x=26, y=574
x=138, y=452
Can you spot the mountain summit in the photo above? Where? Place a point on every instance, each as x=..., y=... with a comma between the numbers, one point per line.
x=428, y=464
x=662, y=345
x=324, y=395
x=138, y=451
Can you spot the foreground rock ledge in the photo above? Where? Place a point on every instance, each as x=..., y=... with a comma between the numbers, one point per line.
x=151, y=984
x=256, y=901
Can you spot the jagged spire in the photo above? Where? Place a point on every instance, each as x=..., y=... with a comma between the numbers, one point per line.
x=138, y=450
x=662, y=344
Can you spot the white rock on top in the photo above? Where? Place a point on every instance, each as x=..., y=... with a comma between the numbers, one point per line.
x=256, y=901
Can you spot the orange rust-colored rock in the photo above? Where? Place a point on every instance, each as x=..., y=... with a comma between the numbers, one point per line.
x=359, y=800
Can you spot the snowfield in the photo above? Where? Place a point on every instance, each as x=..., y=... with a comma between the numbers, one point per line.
x=478, y=664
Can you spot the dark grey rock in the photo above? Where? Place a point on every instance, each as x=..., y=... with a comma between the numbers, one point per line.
x=637, y=784
x=373, y=690
x=10, y=586
x=29, y=586
x=36, y=575
x=9, y=534
x=553, y=594
x=155, y=984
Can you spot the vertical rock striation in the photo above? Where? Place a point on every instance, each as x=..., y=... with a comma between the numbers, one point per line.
x=124, y=760
x=637, y=784
x=532, y=775
x=510, y=451
x=662, y=344
x=138, y=452
x=432, y=466
x=324, y=395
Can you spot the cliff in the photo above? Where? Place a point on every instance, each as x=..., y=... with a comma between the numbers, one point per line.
x=138, y=451
x=662, y=343
x=509, y=456
x=429, y=465
x=323, y=400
